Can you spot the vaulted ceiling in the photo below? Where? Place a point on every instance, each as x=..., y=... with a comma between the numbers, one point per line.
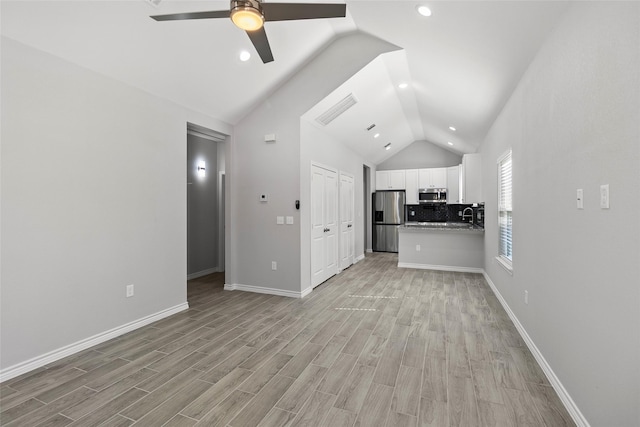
x=460, y=64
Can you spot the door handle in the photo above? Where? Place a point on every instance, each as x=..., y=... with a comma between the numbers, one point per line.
x=327, y=229
x=349, y=225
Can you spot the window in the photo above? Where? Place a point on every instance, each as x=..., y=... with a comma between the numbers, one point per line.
x=505, y=208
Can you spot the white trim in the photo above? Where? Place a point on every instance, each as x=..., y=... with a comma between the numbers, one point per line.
x=358, y=258
x=52, y=356
x=264, y=290
x=563, y=394
x=369, y=251
x=204, y=273
x=504, y=263
x=441, y=267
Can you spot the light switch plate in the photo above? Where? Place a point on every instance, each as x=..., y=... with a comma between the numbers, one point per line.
x=289, y=220
x=279, y=220
x=604, y=196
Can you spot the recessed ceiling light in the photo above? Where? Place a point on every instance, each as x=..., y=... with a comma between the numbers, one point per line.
x=449, y=142
x=424, y=11
x=376, y=135
x=388, y=146
x=244, y=56
x=452, y=128
x=403, y=85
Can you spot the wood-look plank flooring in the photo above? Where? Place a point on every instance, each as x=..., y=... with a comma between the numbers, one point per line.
x=375, y=345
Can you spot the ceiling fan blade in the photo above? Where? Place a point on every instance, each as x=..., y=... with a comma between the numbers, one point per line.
x=193, y=15
x=290, y=11
x=259, y=40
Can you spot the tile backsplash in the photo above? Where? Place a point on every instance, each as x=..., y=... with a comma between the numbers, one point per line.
x=443, y=213
x=426, y=213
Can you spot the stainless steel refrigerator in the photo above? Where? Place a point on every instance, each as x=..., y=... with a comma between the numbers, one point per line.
x=388, y=215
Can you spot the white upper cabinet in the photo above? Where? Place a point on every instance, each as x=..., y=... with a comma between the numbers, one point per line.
x=471, y=178
x=453, y=184
x=411, y=179
x=390, y=180
x=432, y=178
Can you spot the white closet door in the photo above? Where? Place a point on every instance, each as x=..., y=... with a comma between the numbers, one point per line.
x=347, y=232
x=324, y=224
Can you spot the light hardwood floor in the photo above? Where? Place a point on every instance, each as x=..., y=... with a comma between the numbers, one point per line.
x=373, y=346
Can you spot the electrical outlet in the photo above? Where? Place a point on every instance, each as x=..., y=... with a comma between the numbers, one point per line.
x=289, y=220
x=417, y=248
x=279, y=220
x=526, y=297
x=274, y=265
x=129, y=291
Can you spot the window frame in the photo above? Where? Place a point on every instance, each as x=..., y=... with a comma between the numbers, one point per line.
x=505, y=258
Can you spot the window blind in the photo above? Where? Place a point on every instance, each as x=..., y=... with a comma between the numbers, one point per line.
x=505, y=206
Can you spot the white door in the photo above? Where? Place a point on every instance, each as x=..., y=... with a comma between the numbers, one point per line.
x=411, y=187
x=439, y=177
x=324, y=224
x=347, y=233
x=396, y=180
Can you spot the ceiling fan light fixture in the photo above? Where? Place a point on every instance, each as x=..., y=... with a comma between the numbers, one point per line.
x=247, y=14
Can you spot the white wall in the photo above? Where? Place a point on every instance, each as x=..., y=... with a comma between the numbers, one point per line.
x=274, y=168
x=573, y=122
x=421, y=154
x=319, y=147
x=93, y=198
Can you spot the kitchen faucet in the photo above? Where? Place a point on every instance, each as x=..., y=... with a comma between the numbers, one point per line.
x=464, y=214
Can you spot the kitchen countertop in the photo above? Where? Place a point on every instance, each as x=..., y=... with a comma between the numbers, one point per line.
x=464, y=227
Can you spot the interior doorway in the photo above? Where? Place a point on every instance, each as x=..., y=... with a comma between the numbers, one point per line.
x=205, y=201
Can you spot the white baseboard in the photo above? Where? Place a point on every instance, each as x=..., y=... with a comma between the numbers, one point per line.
x=203, y=273
x=369, y=251
x=269, y=291
x=441, y=267
x=52, y=356
x=563, y=394
x=358, y=258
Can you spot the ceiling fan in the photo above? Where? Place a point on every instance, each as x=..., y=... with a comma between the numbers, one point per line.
x=250, y=15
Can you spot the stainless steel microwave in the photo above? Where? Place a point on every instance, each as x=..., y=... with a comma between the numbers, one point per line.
x=432, y=196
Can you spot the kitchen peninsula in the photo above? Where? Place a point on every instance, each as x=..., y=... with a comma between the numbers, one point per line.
x=441, y=246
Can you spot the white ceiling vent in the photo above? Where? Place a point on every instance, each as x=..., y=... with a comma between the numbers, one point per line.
x=332, y=113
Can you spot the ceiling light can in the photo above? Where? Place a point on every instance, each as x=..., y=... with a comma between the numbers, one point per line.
x=245, y=56
x=424, y=10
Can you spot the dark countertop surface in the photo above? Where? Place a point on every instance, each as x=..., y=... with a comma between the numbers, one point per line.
x=442, y=226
